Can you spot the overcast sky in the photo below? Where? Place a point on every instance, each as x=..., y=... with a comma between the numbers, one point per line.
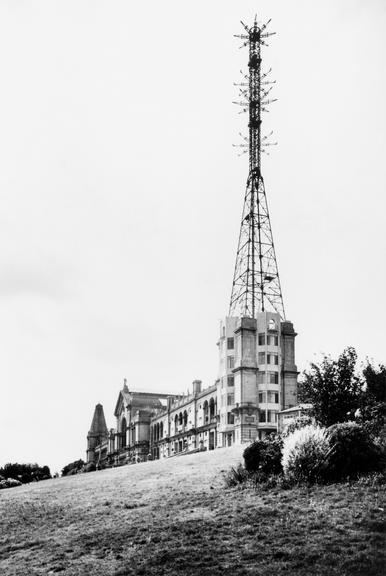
x=121, y=196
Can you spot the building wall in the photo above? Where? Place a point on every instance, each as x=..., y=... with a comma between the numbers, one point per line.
x=257, y=378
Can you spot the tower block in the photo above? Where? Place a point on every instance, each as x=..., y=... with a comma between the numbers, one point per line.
x=258, y=374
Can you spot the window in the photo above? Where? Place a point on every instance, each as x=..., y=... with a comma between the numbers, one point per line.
x=230, y=343
x=230, y=362
x=261, y=377
x=273, y=397
x=261, y=397
x=262, y=417
x=261, y=339
x=272, y=359
x=261, y=357
x=230, y=399
x=273, y=340
x=231, y=418
x=231, y=380
x=272, y=324
x=272, y=416
x=273, y=377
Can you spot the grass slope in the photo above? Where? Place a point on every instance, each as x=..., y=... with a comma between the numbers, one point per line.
x=175, y=517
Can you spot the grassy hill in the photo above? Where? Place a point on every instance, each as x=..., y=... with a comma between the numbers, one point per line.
x=175, y=517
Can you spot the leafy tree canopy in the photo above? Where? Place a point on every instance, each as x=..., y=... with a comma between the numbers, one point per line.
x=73, y=467
x=333, y=388
x=25, y=472
x=338, y=392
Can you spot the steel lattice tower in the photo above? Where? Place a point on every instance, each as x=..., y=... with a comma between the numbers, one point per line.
x=256, y=283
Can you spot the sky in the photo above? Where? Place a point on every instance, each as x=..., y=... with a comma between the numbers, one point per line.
x=121, y=197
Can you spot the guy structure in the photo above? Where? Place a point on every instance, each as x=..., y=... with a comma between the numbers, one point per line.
x=257, y=379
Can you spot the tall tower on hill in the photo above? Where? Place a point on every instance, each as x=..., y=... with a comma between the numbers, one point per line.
x=258, y=374
x=256, y=283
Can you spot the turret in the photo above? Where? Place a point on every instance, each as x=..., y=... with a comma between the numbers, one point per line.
x=97, y=433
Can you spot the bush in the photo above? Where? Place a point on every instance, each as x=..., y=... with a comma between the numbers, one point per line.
x=299, y=422
x=9, y=483
x=73, y=468
x=353, y=452
x=264, y=456
x=236, y=476
x=90, y=467
x=304, y=454
x=25, y=472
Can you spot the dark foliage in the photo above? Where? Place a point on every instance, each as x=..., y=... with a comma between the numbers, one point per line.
x=73, y=468
x=299, y=422
x=236, y=476
x=90, y=467
x=375, y=382
x=9, y=483
x=373, y=401
x=333, y=388
x=264, y=456
x=25, y=472
x=353, y=452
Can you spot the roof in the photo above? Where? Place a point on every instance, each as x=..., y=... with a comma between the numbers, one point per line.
x=98, y=424
x=139, y=400
x=296, y=408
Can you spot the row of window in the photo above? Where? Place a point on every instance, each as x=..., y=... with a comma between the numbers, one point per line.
x=262, y=358
x=228, y=418
x=262, y=378
x=270, y=358
x=268, y=416
x=268, y=377
x=265, y=416
x=230, y=400
x=270, y=396
x=270, y=339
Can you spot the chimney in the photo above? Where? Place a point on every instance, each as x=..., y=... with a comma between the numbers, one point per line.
x=196, y=387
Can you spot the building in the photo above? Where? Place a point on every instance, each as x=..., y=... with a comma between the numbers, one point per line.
x=257, y=379
x=257, y=375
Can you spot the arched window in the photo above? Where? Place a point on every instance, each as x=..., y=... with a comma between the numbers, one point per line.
x=206, y=406
x=211, y=408
x=161, y=430
x=185, y=418
x=123, y=432
x=175, y=423
x=180, y=418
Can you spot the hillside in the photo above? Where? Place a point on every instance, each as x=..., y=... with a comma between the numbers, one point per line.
x=175, y=517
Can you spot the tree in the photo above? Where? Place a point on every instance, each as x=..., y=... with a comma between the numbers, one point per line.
x=73, y=468
x=375, y=382
x=373, y=401
x=333, y=388
x=25, y=472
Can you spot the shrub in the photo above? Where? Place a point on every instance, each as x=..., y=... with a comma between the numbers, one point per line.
x=25, y=472
x=304, y=454
x=299, y=422
x=236, y=476
x=90, y=467
x=353, y=451
x=264, y=456
x=77, y=466
x=9, y=483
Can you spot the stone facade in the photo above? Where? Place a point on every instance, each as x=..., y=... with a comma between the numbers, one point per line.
x=257, y=379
